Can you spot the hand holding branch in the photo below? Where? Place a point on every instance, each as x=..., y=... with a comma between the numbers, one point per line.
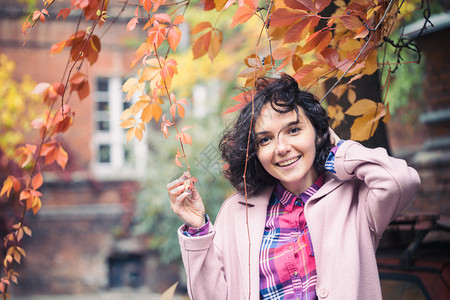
x=186, y=202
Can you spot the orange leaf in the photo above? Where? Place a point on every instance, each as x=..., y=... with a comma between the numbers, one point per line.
x=243, y=98
x=174, y=37
x=215, y=44
x=64, y=12
x=165, y=124
x=318, y=41
x=62, y=157
x=37, y=181
x=200, y=27
x=242, y=15
x=183, y=136
x=201, y=45
x=177, y=161
x=147, y=4
x=300, y=30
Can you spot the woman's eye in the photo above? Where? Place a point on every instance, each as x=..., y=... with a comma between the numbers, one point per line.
x=263, y=140
x=294, y=130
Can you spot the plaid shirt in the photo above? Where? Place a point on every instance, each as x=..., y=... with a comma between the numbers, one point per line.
x=287, y=264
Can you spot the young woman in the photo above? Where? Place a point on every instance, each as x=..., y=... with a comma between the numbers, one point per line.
x=316, y=209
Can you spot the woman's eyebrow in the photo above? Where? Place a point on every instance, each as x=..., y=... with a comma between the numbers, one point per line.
x=261, y=132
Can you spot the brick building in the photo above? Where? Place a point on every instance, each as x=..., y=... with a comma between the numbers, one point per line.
x=80, y=240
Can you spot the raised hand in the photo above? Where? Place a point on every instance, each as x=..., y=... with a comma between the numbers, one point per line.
x=186, y=202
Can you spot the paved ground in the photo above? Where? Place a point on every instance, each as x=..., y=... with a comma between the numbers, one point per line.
x=102, y=296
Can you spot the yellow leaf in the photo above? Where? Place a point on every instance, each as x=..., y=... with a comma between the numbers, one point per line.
x=139, y=133
x=351, y=95
x=362, y=107
x=130, y=133
x=363, y=128
x=337, y=114
x=128, y=123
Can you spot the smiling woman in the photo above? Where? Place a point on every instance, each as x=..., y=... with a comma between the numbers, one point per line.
x=315, y=212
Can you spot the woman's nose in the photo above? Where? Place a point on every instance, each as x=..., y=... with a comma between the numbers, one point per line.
x=282, y=146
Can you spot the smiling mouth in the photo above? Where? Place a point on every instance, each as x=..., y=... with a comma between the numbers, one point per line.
x=288, y=162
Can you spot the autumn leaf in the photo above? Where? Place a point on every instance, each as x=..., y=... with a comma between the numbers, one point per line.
x=147, y=4
x=64, y=13
x=37, y=181
x=336, y=114
x=183, y=136
x=132, y=23
x=242, y=15
x=25, y=154
x=308, y=5
x=131, y=86
x=176, y=106
x=209, y=42
x=174, y=37
x=371, y=112
x=149, y=107
x=135, y=129
x=157, y=34
x=216, y=42
x=79, y=83
x=242, y=99
x=32, y=199
x=11, y=182
x=177, y=161
x=165, y=124
x=40, y=14
x=201, y=45
x=317, y=41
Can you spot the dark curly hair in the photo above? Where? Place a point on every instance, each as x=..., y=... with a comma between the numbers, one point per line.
x=284, y=95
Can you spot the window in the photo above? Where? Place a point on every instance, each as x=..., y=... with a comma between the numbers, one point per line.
x=113, y=157
x=125, y=271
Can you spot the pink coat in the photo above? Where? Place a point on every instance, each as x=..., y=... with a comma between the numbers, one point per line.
x=346, y=219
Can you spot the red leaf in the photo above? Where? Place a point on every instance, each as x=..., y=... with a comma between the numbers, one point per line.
x=284, y=17
x=64, y=12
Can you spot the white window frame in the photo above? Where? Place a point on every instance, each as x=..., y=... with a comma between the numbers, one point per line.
x=117, y=168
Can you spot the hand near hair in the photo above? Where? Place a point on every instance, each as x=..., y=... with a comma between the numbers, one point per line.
x=186, y=202
x=334, y=139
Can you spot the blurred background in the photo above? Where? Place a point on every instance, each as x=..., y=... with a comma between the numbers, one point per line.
x=106, y=230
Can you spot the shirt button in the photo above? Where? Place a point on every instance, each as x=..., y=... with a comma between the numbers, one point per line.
x=295, y=273
x=323, y=293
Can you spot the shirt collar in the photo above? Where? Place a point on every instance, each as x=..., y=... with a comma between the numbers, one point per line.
x=288, y=199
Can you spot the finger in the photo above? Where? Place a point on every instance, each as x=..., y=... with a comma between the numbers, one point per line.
x=174, y=193
x=181, y=198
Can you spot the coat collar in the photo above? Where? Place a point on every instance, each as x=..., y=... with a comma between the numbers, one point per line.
x=257, y=211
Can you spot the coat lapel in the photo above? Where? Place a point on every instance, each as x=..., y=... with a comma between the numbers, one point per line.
x=257, y=211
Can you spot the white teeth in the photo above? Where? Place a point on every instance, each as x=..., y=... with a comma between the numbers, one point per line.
x=288, y=162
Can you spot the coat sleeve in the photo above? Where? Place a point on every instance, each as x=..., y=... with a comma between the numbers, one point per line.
x=203, y=264
x=391, y=184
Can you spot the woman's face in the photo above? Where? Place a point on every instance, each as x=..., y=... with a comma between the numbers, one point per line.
x=287, y=147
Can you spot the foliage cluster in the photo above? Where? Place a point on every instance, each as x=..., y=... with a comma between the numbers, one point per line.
x=314, y=40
